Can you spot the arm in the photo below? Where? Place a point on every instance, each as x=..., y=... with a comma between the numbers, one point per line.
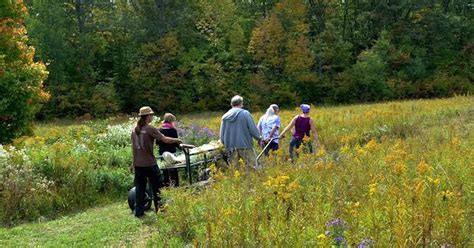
x=252, y=127
x=291, y=125
x=169, y=140
x=221, y=132
x=159, y=136
x=315, y=133
x=274, y=129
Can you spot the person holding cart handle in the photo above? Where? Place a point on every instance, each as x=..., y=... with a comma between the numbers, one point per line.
x=268, y=126
x=144, y=161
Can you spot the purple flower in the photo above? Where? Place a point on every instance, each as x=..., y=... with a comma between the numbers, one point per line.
x=365, y=243
x=337, y=223
x=339, y=239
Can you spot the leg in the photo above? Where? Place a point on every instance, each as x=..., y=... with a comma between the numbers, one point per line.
x=166, y=177
x=140, y=185
x=174, y=176
x=294, y=143
x=250, y=158
x=156, y=182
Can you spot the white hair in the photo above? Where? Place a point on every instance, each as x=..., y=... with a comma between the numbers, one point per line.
x=236, y=101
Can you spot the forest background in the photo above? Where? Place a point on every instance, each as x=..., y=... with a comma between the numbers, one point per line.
x=101, y=58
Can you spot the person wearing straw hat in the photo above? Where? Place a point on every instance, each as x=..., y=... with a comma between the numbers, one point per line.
x=144, y=161
x=302, y=125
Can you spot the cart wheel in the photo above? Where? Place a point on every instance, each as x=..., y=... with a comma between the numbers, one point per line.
x=131, y=199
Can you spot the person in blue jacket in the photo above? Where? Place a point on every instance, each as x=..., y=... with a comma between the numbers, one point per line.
x=237, y=131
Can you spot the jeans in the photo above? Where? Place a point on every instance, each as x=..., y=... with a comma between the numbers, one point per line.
x=296, y=143
x=153, y=174
x=273, y=146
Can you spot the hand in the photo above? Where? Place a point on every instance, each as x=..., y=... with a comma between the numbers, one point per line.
x=267, y=140
x=179, y=141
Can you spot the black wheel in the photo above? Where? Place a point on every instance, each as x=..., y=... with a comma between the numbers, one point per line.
x=131, y=199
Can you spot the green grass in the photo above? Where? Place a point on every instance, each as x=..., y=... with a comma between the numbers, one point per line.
x=112, y=225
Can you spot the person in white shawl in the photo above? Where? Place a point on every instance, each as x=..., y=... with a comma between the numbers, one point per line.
x=268, y=126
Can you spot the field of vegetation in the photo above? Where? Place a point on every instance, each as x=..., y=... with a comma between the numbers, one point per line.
x=392, y=174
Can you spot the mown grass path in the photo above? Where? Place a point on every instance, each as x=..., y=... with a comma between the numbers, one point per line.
x=106, y=226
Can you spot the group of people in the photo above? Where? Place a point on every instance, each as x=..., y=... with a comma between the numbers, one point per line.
x=238, y=129
x=236, y=133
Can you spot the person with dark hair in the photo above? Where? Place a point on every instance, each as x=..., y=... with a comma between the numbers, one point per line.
x=302, y=125
x=168, y=129
x=144, y=161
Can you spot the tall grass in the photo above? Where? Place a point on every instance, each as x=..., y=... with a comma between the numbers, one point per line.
x=393, y=174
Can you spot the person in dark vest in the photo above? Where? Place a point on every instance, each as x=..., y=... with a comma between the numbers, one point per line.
x=144, y=161
x=302, y=125
x=168, y=129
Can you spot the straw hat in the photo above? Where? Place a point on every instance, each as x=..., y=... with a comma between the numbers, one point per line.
x=146, y=111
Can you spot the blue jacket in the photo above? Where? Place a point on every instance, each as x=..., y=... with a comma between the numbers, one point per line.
x=237, y=129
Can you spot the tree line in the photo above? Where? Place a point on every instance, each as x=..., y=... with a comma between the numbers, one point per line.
x=106, y=57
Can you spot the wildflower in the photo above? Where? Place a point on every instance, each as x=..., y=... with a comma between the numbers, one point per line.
x=455, y=141
x=339, y=239
x=372, y=188
x=446, y=194
x=241, y=163
x=293, y=186
x=371, y=146
x=423, y=167
x=420, y=187
x=366, y=243
x=321, y=152
x=360, y=151
x=345, y=149
x=400, y=168
x=337, y=223
x=434, y=181
x=322, y=236
x=237, y=174
x=213, y=168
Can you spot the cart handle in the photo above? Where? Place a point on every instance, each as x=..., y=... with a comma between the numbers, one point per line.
x=265, y=148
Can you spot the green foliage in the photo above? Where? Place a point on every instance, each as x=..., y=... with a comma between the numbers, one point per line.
x=21, y=78
x=184, y=56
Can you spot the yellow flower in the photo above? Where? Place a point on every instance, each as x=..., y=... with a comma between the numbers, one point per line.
x=241, y=163
x=360, y=151
x=420, y=187
x=371, y=146
x=455, y=141
x=372, y=188
x=322, y=236
x=321, y=152
x=237, y=174
x=400, y=168
x=446, y=194
x=434, y=181
x=213, y=168
x=423, y=167
x=293, y=186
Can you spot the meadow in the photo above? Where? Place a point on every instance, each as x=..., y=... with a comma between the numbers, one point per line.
x=390, y=174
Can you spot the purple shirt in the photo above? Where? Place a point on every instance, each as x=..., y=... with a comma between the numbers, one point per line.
x=302, y=127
